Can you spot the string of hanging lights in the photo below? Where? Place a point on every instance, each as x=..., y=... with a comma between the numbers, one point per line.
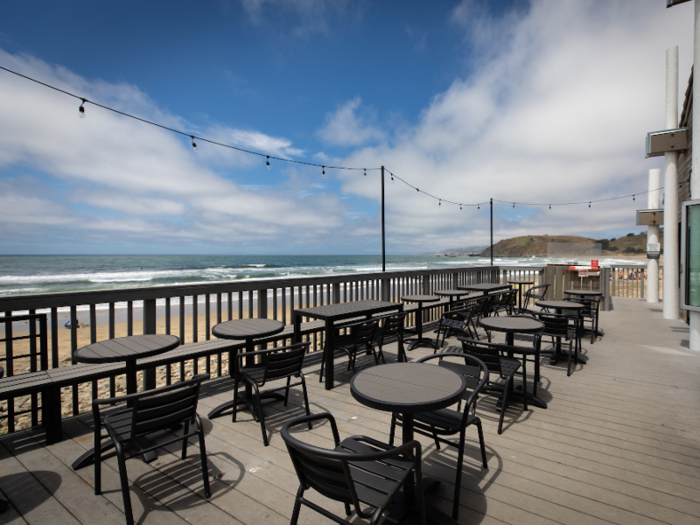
x=82, y=114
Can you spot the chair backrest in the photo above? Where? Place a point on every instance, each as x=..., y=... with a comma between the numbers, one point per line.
x=473, y=369
x=164, y=408
x=392, y=326
x=329, y=471
x=555, y=325
x=284, y=362
x=363, y=333
x=488, y=353
x=536, y=293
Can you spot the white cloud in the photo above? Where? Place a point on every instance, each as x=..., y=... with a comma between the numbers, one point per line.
x=137, y=181
x=349, y=127
x=557, y=112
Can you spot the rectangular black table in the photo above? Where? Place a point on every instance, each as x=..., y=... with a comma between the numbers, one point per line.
x=336, y=312
x=485, y=288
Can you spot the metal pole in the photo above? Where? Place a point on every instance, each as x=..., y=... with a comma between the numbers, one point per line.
x=491, y=203
x=693, y=317
x=383, y=236
x=653, y=237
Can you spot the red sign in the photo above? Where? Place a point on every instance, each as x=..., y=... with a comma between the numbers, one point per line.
x=594, y=263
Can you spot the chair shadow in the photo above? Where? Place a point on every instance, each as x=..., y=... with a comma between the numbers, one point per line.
x=475, y=479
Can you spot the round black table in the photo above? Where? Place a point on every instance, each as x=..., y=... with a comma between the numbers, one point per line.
x=452, y=294
x=420, y=340
x=584, y=293
x=409, y=388
x=485, y=288
x=248, y=330
x=129, y=350
x=520, y=285
x=511, y=325
x=560, y=307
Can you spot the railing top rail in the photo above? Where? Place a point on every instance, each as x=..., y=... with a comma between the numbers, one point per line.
x=63, y=299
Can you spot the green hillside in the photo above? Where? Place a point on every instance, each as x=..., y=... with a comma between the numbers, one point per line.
x=536, y=245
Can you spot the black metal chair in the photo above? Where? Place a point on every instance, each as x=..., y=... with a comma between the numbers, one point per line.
x=504, y=302
x=504, y=367
x=590, y=311
x=457, y=323
x=147, y=412
x=447, y=422
x=360, y=338
x=536, y=293
x=359, y=470
x=391, y=330
x=273, y=364
x=566, y=327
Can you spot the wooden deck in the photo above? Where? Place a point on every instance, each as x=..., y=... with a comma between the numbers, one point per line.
x=619, y=443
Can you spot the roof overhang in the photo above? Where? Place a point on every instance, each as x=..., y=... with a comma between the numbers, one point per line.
x=650, y=217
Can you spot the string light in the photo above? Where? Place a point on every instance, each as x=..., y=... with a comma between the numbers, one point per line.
x=460, y=207
x=324, y=172
x=479, y=206
x=194, y=145
x=81, y=110
x=440, y=202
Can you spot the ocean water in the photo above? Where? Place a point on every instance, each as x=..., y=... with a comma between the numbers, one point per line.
x=20, y=274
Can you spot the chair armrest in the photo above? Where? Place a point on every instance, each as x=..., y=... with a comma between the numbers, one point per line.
x=310, y=419
x=241, y=355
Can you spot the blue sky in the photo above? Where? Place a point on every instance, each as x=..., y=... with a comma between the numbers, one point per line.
x=522, y=101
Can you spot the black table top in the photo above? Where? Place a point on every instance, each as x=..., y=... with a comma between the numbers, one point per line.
x=126, y=348
x=420, y=298
x=521, y=282
x=349, y=309
x=591, y=293
x=247, y=328
x=451, y=293
x=512, y=323
x=407, y=387
x=560, y=305
x=484, y=287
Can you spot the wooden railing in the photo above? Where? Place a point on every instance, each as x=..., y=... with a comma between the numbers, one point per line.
x=190, y=311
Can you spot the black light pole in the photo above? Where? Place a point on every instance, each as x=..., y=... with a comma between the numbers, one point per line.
x=492, y=232
x=383, y=238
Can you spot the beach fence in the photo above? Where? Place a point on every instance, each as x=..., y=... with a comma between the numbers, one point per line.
x=75, y=319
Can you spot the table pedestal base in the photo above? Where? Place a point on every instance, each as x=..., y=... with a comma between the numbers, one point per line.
x=249, y=401
x=401, y=513
x=414, y=342
x=89, y=457
x=556, y=354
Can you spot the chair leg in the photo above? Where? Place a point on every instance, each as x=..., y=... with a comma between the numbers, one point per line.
x=504, y=406
x=203, y=456
x=126, y=497
x=297, y=506
x=392, y=431
x=323, y=365
x=435, y=438
x=286, y=391
x=482, y=445
x=98, y=463
x=458, y=479
x=306, y=398
x=235, y=400
x=261, y=415
x=184, y=441
x=524, y=383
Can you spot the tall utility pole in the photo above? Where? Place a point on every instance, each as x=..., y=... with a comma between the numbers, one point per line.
x=491, y=202
x=694, y=317
x=383, y=237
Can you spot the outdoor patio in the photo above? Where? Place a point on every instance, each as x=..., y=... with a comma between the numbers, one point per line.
x=618, y=444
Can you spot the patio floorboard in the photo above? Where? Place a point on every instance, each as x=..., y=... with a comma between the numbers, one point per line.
x=619, y=443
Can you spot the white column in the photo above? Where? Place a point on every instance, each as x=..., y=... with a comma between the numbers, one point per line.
x=671, y=289
x=694, y=317
x=653, y=237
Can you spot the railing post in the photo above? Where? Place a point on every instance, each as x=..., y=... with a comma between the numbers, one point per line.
x=262, y=304
x=336, y=293
x=386, y=290
x=149, y=327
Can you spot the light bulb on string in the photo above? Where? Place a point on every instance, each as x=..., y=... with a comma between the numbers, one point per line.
x=392, y=177
x=268, y=163
x=634, y=198
x=460, y=207
x=194, y=145
x=440, y=202
x=478, y=206
x=324, y=171
x=589, y=204
x=418, y=189
x=550, y=206
x=365, y=172
x=513, y=205
x=81, y=109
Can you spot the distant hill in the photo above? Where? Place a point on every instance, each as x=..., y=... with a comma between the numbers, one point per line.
x=536, y=245
x=453, y=252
